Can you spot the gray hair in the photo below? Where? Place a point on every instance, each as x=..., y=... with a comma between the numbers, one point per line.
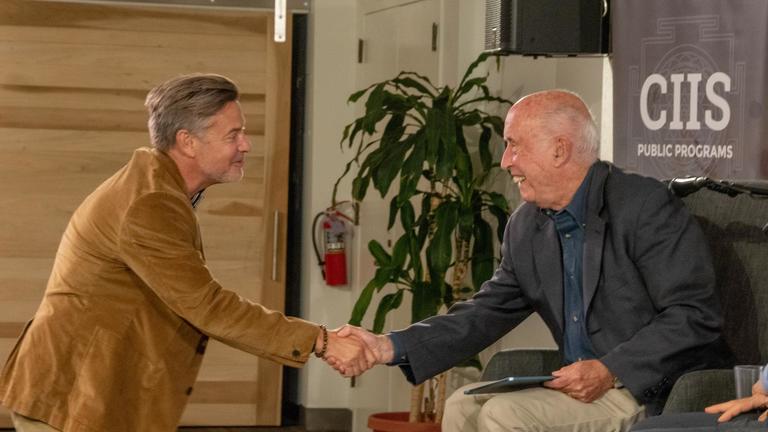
x=581, y=122
x=186, y=102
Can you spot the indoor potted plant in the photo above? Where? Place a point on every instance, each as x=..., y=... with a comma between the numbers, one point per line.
x=443, y=199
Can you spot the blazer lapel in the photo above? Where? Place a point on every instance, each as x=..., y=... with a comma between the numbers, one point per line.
x=546, y=251
x=594, y=235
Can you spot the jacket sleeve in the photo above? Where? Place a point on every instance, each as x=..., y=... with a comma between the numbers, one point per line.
x=157, y=242
x=440, y=342
x=672, y=257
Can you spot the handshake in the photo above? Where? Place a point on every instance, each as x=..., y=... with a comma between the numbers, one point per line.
x=353, y=350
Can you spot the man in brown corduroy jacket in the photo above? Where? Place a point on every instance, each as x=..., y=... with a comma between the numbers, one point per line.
x=118, y=339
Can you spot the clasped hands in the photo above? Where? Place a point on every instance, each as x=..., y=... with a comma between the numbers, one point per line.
x=352, y=350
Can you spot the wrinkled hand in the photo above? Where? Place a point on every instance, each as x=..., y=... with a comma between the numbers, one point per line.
x=379, y=346
x=584, y=381
x=348, y=355
x=735, y=407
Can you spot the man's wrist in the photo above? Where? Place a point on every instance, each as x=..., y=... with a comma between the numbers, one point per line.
x=386, y=348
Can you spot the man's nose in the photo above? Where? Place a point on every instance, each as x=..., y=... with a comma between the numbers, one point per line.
x=506, y=159
x=245, y=144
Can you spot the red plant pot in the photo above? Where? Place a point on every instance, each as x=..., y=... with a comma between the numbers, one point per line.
x=398, y=422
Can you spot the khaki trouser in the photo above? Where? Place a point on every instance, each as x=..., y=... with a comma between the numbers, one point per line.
x=540, y=409
x=26, y=424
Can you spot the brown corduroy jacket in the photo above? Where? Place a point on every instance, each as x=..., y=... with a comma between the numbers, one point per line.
x=117, y=341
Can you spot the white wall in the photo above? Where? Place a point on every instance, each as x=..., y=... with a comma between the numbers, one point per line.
x=332, y=52
x=334, y=29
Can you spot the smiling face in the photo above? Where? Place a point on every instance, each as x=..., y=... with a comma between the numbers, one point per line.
x=221, y=148
x=529, y=158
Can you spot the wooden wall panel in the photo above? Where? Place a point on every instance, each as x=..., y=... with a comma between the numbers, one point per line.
x=72, y=89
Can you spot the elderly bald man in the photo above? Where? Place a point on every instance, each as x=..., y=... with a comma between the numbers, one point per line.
x=614, y=264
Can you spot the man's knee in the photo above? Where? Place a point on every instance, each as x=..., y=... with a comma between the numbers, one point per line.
x=499, y=414
x=461, y=411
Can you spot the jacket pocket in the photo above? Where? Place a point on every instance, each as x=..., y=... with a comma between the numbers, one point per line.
x=114, y=384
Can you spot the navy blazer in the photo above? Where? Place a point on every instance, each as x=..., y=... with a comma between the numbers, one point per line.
x=648, y=285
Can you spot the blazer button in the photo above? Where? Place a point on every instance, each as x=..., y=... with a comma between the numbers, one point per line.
x=189, y=391
x=296, y=353
x=202, y=345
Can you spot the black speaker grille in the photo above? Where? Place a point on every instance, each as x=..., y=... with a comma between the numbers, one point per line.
x=547, y=27
x=493, y=25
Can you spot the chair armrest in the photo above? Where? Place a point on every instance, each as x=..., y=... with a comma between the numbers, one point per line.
x=520, y=362
x=696, y=390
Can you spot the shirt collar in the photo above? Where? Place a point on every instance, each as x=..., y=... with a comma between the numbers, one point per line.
x=577, y=208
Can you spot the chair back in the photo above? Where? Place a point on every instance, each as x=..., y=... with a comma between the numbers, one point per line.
x=735, y=227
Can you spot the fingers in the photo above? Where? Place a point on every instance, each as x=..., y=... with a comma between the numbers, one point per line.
x=344, y=330
x=349, y=355
x=763, y=416
x=732, y=408
x=585, y=381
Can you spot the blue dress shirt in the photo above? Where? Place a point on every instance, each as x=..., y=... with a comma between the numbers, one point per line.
x=570, y=223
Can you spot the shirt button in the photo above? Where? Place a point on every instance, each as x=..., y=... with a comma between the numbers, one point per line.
x=575, y=318
x=568, y=236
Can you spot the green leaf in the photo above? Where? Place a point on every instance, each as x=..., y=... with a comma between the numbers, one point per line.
x=388, y=303
x=408, y=188
x=360, y=187
x=446, y=158
x=466, y=222
x=379, y=254
x=426, y=301
x=501, y=220
x=374, y=110
x=362, y=303
x=482, y=253
x=484, y=148
x=497, y=124
x=413, y=84
x=470, y=70
x=422, y=78
x=468, y=85
x=433, y=126
x=393, y=210
x=440, y=249
x=415, y=161
x=356, y=95
x=414, y=253
x=471, y=118
x=463, y=160
x=407, y=216
x=383, y=276
x=499, y=201
x=385, y=173
x=400, y=252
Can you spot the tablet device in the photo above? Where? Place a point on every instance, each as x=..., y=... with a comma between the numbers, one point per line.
x=509, y=384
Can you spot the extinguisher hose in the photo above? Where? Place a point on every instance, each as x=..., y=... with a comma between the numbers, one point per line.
x=319, y=256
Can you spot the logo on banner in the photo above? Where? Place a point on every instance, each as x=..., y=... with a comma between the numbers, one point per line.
x=685, y=89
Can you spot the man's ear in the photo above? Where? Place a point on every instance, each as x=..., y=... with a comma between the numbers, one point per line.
x=185, y=143
x=562, y=151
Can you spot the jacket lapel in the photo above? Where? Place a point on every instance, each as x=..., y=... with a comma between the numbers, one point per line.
x=546, y=251
x=594, y=236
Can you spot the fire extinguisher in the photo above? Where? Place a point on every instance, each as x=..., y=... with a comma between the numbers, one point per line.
x=333, y=260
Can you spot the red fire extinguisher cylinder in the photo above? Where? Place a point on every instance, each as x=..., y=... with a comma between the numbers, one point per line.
x=335, y=264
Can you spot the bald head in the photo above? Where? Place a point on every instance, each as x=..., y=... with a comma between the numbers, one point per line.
x=551, y=141
x=560, y=112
